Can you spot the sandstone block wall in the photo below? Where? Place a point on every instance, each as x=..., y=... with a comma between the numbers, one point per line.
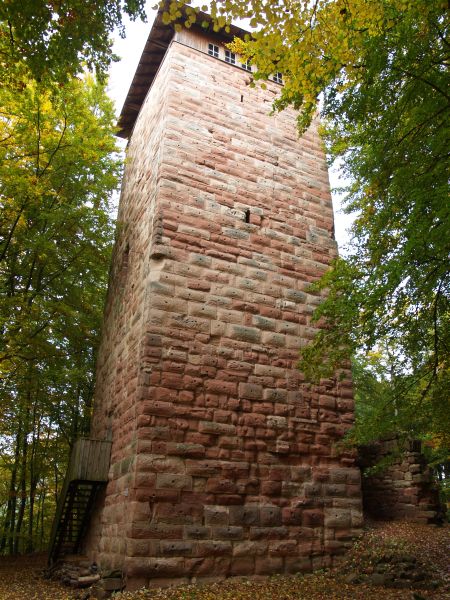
x=223, y=459
x=406, y=489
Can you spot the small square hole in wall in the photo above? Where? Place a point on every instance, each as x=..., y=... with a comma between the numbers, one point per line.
x=213, y=50
x=230, y=57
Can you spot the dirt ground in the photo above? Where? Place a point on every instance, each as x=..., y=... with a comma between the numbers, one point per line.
x=426, y=546
x=21, y=579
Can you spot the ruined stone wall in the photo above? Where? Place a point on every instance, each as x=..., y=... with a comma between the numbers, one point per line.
x=405, y=489
x=223, y=458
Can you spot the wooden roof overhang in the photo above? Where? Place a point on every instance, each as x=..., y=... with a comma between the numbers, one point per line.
x=155, y=48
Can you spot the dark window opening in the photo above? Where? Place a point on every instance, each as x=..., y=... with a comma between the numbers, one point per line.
x=230, y=57
x=247, y=215
x=213, y=50
x=278, y=77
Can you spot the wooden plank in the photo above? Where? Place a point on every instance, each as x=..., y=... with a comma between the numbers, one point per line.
x=89, y=461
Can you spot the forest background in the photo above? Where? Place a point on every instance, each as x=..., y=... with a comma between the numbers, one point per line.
x=380, y=72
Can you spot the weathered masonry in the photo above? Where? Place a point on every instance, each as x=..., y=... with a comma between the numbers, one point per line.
x=223, y=460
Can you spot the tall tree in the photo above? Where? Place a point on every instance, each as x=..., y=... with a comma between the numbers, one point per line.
x=54, y=38
x=57, y=169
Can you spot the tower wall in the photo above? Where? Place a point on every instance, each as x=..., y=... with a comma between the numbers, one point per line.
x=223, y=460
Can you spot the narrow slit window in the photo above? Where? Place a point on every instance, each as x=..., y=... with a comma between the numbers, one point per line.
x=213, y=50
x=230, y=57
x=246, y=66
x=278, y=77
x=247, y=215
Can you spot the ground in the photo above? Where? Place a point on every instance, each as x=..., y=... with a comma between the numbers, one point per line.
x=404, y=551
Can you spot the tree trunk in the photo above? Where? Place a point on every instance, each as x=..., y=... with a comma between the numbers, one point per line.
x=8, y=528
x=23, y=490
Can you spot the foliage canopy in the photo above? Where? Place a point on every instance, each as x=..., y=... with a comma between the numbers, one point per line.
x=54, y=38
x=57, y=168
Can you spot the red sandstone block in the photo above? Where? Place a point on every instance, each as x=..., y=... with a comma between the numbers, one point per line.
x=168, y=303
x=255, y=445
x=242, y=566
x=280, y=473
x=174, y=481
x=143, y=530
x=230, y=316
x=229, y=442
x=143, y=421
x=199, y=284
x=335, y=489
x=193, y=437
x=270, y=516
x=250, y=390
x=142, y=547
x=191, y=383
x=203, y=468
x=185, y=396
x=161, y=393
x=271, y=488
x=227, y=533
x=253, y=420
x=197, y=532
x=220, y=486
x=321, y=450
x=177, y=512
x=270, y=339
x=229, y=499
x=268, y=565
x=172, y=381
x=221, y=387
x=337, y=518
x=165, y=495
x=156, y=567
x=245, y=334
x=283, y=548
x=213, y=548
x=268, y=533
x=295, y=564
x=244, y=515
x=291, y=516
x=200, y=567
x=158, y=447
x=145, y=491
x=275, y=395
x=312, y=518
x=216, y=515
x=150, y=352
x=185, y=449
x=213, y=428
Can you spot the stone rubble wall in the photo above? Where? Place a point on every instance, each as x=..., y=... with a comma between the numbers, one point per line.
x=223, y=460
x=406, y=489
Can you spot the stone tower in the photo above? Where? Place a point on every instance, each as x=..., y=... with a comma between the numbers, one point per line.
x=223, y=460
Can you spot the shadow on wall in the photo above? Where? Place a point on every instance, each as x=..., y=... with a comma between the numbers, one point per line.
x=398, y=484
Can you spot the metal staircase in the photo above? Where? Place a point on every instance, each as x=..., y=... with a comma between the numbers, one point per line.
x=86, y=474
